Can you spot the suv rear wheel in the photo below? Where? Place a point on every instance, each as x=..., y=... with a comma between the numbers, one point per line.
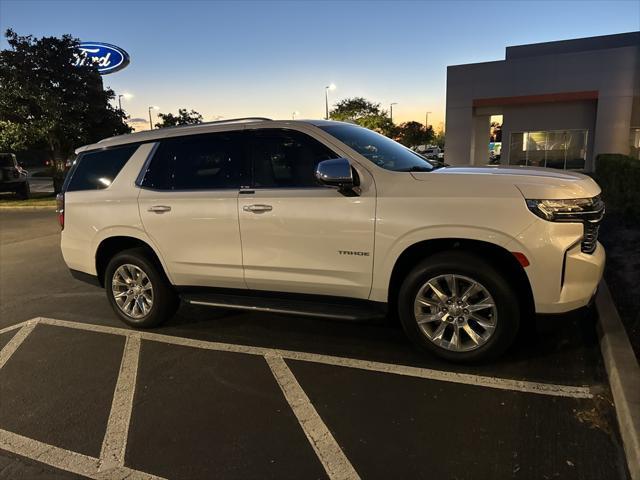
x=459, y=306
x=138, y=291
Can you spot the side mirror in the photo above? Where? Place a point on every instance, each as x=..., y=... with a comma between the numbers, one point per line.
x=336, y=173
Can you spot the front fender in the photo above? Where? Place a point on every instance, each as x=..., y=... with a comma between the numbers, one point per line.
x=384, y=262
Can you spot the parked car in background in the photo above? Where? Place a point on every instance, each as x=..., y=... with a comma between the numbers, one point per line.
x=323, y=218
x=13, y=178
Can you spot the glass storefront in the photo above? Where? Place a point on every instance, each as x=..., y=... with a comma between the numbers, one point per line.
x=565, y=149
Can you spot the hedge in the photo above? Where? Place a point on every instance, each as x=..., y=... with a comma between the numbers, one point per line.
x=619, y=177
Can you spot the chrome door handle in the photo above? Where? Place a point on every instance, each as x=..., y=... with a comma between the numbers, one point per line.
x=258, y=208
x=159, y=209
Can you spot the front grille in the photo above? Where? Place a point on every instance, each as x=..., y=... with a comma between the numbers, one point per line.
x=592, y=221
x=590, y=238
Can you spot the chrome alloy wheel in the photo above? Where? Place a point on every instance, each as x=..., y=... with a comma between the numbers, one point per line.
x=455, y=312
x=132, y=291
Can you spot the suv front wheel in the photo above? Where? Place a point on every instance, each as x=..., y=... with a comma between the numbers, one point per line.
x=459, y=306
x=138, y=291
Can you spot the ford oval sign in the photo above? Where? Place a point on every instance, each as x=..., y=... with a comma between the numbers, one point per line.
x=108, y=58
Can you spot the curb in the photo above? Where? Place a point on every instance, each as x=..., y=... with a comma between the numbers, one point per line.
x=27, y=207
x=624, y=376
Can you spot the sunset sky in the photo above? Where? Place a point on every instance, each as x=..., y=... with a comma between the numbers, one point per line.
x=232, y=59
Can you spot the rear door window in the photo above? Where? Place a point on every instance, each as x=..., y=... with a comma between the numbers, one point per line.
x=197, y=162
x=98, y=169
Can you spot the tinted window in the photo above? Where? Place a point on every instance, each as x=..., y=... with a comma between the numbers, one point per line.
x=286, y=158
x=96, y=170
x=6, y=161
x=379, y=149
x=196, y=163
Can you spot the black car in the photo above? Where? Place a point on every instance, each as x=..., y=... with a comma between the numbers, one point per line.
x=13, y=178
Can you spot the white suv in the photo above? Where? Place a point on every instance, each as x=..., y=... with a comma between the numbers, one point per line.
x=329, y=219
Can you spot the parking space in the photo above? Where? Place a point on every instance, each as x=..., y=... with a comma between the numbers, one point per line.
x=150, y=405
x=218, y=393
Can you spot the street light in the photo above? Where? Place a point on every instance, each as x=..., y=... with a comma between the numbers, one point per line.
x=152, y=107
x=127, y=96
x=391, y=110
x=426, y=121
x=331, y=87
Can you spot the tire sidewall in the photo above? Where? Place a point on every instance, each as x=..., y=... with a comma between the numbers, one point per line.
x=508, y=311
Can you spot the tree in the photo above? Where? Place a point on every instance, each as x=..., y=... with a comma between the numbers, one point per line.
x=412, y=134
x=48, y=101
x=365, y=113
x=183, y=118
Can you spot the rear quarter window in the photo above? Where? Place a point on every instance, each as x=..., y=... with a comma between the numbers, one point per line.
x=98, y=169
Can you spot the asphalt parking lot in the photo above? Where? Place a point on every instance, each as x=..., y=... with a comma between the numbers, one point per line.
x=221, y=394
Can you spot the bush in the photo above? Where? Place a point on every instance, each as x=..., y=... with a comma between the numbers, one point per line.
x=619, y=177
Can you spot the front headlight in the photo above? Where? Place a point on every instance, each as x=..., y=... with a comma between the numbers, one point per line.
x=570, y=210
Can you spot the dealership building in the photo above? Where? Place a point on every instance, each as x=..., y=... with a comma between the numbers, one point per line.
x=562, y=103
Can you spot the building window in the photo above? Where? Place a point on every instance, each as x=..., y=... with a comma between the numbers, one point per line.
x=565, y=149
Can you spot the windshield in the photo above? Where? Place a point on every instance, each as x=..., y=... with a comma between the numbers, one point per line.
x=379, y=149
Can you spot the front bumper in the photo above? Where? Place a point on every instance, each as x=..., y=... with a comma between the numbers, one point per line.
x=562, y=277
x=582, y=274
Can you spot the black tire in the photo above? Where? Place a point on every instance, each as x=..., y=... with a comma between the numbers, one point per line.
x=460, y=263
x=23, y=191
x=165, y=301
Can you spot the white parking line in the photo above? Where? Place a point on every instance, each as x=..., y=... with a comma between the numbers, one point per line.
x=114, y=444
x=390, y=368
x=333, y=459
x=13, y=344
x=45, y=453
x=65, y=459
x=110, y=465
x=12, y=327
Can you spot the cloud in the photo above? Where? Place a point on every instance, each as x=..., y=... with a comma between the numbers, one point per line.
x=137, y=120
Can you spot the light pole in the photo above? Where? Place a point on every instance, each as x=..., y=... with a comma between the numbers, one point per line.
x=391, y=110
x=126, y=96
x=326, y=99
x=426, y=121
x=152, y=107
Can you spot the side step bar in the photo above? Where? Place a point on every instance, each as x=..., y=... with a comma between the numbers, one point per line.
x=338, y=310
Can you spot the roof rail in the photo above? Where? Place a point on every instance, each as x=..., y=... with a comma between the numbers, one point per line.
x=231, y=120
x=214, y=122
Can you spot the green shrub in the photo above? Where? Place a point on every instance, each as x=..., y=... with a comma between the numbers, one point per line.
x=619, y=177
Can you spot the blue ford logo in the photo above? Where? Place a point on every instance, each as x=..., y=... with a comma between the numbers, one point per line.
x=108, y=58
